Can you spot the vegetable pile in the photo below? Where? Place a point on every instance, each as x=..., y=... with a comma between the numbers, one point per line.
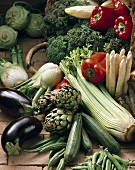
x=85, y=90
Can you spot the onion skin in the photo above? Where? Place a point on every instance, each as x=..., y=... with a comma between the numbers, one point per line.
x=18, y=132
x=12, y=102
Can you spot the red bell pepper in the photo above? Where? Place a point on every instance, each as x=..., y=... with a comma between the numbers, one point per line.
x=123, y=27
x=94, y=68
x=102, y=18
x=120, y=8
x=63, y=83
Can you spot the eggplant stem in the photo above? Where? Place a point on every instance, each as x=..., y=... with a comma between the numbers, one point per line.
x=13, y=149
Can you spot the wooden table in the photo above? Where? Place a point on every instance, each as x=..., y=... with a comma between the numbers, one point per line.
x=34, y=161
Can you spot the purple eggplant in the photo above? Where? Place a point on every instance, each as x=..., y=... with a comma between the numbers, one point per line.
x=18, y=132
x=14, y=103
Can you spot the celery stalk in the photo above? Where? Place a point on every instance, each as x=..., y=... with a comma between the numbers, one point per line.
x=100, y=105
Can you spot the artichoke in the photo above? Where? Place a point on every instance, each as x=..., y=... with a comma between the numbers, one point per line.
x=44, y=103
x=36, y=25
x=8, y=37
x=67, y=97
x=58, y=120
x=17, y=17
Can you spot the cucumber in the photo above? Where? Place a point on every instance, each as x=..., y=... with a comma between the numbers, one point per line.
x=74, y=139
x=102, y=136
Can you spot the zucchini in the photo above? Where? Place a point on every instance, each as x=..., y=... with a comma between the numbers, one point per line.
x=102, y=136
x=85, y=141
x=74, y=139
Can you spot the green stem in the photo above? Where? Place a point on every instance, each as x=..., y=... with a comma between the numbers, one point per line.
x=20, y=56
x=38, y=94
x=29, y=81
x=14, y=56
x=28, y=110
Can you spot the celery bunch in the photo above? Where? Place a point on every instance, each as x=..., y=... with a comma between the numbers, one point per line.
x=97, y=101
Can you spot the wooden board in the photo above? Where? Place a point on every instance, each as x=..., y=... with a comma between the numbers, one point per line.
x=34, y=161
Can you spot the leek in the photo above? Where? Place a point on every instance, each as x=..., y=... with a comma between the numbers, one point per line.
x=98, y=102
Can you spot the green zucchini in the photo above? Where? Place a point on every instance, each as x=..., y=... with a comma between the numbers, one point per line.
x=85, y=141
x=102, y=136
x=74, y=139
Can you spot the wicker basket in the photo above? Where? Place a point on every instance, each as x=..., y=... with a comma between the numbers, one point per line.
x=129, y=3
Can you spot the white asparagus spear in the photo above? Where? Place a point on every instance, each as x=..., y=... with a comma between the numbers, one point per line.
x=107, y=71
x=121, y=77
x=128, y=71
x=112, y=78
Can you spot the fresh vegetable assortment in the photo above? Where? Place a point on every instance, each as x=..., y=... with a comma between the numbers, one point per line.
x=85, y=88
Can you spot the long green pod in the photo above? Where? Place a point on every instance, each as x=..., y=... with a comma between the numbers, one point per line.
x=44, y=141
x=108, y=164
x=74, y=139
x=61, y=164
x=61, y=139
x=58, y=145
x=39, y=148
x=94, y=160
x=101, y=157
x=56, y=158
x=100, y=133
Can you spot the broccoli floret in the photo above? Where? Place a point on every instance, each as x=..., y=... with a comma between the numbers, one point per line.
x=57, y=22
x=56, y=49
x=110, y=34
x=59, y=47
x=77, y=37
x=96, y=39
x=116, y=44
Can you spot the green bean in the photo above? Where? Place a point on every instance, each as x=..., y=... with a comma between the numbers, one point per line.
x=40, y=147
x=108, y=164
x=61, y=164
x=112, y=166
x=98, y=167
x=104, y=162
x=56, y=158
x=53, y=146
x=89, y=158
x=120, y=160
x=44, y=141
x=89, y=164
x=61, y=139
x=94, y=160
x=114, y=160
x=101, y=157
x=80, y=167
